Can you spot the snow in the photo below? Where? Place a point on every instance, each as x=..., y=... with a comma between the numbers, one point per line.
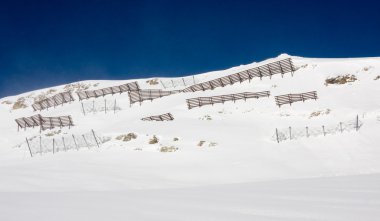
x=239, y=173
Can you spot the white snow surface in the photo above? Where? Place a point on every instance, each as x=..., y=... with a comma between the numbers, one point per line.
x=239, y=173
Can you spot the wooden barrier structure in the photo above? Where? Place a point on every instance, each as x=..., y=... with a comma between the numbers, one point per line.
x=162, y=117
x=267, y=70
x=133, y=86
x=202, y=101
x=148, y=94
x=291, y=98
x=44, y=122
x=54, y=101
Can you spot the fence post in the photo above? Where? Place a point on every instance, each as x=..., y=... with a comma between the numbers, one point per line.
x=163, y=84
x=323, y=128
x=357, y=122
x=64, y=145
x=53, y=146
x=84, y=113
x=85, y=141
x=290, y=133
x=30, y=151
x=93, y=133
x=278, y=141
x=114, y=107
x=105, y=106
x=40, y=146
x=307, y=131
x=75, y=142
x=340, y=124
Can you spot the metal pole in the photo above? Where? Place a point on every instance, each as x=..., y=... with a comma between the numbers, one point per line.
x=30, y=151
x=278, y=141
x=290, y=133
x=40, y=146
x=114, y=107
x=105, y=106
x=357, y=122
x=323, y=128
x=93, y=133
x=64, y=145
x=76, y=145
x=85, y=141
x=84, y=113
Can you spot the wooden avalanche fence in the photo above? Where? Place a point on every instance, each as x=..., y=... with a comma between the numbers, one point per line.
x=149, y=94
x=202, y=101
x=291, y=98
x=54, y=101
x=44, y=122
x=162, y=117
x=278, y=67
x=133, y=86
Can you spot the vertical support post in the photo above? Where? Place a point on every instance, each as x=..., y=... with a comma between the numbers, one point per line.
x=64, y=145
x=105, y=106
x=30, y=151
x=163, y=85
x=75, y=142
x=307, y=131
x=93, y=133
x=290, y=133
x=84, y=113
x=84, y=138
x=53, y=145
x=357, y=122
x=40, y=146
x=278, y=141
x=114, y=107
x=323, y=128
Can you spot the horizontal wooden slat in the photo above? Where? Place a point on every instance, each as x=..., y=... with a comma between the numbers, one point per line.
x=201, y=101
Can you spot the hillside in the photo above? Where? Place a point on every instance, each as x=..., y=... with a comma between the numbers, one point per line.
x=224, y=145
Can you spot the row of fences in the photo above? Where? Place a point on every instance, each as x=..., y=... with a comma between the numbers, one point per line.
x=138, y=95
x=291, y=98
x=279, y=67
x=202, y=101
x=58, y=99
x=292, y=133
x=44, y=122
x=133, y=86
x=149, y=94
x=43, y=145
x=162, y=117
x=99, y=106
x=178, y=82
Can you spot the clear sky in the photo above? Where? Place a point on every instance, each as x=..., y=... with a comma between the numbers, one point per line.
x=47, y=43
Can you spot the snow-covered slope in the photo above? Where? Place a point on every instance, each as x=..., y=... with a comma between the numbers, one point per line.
x=238, y=142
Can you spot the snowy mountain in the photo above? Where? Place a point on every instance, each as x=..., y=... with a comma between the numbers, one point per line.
x=207, y=154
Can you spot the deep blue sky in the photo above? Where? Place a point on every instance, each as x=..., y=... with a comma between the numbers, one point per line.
x=46, y=43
